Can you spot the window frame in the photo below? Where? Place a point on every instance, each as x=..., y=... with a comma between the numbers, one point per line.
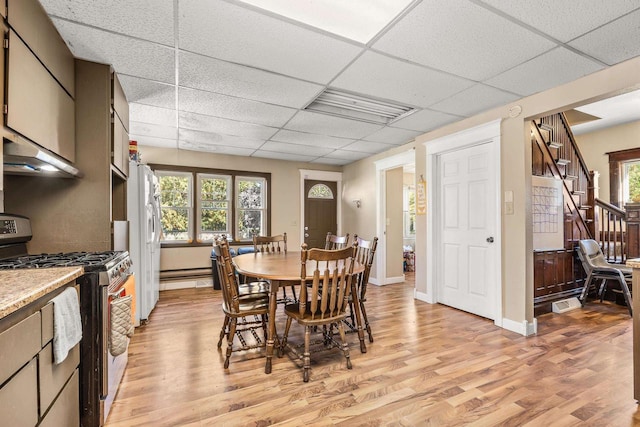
x=616, y=161
x=199, y=232
x=195, y=216
x=236, y=200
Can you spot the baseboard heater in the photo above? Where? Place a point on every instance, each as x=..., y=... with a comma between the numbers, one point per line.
x=185, y=273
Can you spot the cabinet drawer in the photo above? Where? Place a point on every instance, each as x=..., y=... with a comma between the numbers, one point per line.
x=66, y=409
x=19, y=398
x=19, y=344
x=51, y=376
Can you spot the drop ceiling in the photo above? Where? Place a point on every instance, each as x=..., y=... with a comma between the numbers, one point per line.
x=232, y=77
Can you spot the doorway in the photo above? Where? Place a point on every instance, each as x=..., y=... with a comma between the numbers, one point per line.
x=320, y=211
x=333, y=183
x=463, y=227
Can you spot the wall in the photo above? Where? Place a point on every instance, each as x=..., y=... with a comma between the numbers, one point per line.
x=394, y=223
x=285, y=194
x=595, y=145
x=515, y=164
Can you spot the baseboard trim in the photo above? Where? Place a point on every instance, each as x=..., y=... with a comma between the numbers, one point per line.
x=523, y=328
x=420, y=296
x=387, y=281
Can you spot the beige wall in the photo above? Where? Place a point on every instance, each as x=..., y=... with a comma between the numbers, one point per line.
x=517, y=259
x=394, y=226
x=285, y=194
x=595, y=145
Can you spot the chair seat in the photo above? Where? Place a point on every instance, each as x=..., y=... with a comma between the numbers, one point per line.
x=259, y=287
x=308, y=318
x=248, y=306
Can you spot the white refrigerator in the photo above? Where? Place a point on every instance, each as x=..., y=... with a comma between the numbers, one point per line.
x=143, y=212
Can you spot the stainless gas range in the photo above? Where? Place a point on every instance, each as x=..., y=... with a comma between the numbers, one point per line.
x=107, y=277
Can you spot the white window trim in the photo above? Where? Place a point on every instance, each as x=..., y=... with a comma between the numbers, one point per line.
x=200, y=177
x=263, y=208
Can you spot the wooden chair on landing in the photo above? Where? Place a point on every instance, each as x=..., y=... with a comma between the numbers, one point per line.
x=237, y=308
x=334, y=242
x=274, y=244
x=366, y=256
x=322, y=302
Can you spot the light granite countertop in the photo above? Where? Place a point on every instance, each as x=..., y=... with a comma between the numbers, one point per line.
x=633, y=263
x=21, y=287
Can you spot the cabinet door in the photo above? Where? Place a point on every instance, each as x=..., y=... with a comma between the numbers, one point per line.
x=19, y=398
x=120, y=146
x=37, y=106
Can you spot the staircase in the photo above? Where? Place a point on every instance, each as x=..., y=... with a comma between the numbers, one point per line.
x=557, y=272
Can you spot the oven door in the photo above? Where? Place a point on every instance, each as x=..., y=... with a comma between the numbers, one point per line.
x=115, y=362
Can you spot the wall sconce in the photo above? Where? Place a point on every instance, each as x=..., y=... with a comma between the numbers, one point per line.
x=357, y=203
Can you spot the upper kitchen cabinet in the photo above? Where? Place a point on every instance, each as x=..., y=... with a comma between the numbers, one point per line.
x=120, y=131
x=37, y=106
x=40, y=80
x=30, y=21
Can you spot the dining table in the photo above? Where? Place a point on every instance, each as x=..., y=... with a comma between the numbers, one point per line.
x=285, y=267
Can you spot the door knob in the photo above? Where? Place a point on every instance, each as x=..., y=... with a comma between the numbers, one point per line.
x=306, y=234
x=489, y=239
x=306, y=229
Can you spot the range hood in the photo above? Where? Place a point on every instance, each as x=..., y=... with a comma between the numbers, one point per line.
x=23, y=157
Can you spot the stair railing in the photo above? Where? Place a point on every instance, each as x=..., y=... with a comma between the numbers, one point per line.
x=611, y=229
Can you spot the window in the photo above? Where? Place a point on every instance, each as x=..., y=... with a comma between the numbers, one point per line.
x=631, y=181
x=199, y=204
x=176, y=205
x=320, y=191
x=250, y=207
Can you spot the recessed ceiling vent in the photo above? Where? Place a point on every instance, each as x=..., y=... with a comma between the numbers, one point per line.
x=358, y=107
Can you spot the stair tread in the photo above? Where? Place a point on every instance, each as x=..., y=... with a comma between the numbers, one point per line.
x=563, y=161
x=570, y=177
x=577, y=192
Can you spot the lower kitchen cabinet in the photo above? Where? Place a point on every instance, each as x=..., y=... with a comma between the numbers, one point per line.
x=33, y=389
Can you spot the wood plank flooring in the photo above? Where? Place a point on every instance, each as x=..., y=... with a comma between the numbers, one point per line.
x=430, y=365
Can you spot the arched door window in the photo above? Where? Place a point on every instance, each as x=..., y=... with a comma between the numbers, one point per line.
x=320, y=191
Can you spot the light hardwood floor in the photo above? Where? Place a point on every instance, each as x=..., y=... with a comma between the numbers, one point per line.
x=429, y=365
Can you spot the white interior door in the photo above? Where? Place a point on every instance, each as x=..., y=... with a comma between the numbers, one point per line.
x=467, y=255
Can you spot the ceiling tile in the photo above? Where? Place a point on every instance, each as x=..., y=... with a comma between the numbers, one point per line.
x=214, y=75
x=368, y=147
x=228, y=127
x=216, y=149
x=153, y=142
x=306, y=121
x=283, y=147
x=150, y=114
x=393, y=79
x=614, y=42
x=426, y=120
x=475, y=100
x=213, y=104
x=283, y=156
x=247, y=37
x=390, y=135
x=564, y=20
x=304, y=138
x=210, y=138
x=144, y=19
x=329, y=161
x=348, y=155
x=158, y=131
x=127, y=55
x=533, y=76
x=462, y=38
x=148, y=92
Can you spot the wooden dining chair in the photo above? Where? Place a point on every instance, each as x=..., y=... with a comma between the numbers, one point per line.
x=365, y=256
x=239, y=308
x=334, y=242
x=324, y=302
x=275, y=244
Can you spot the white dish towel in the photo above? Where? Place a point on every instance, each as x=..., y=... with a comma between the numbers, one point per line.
x=67, y=325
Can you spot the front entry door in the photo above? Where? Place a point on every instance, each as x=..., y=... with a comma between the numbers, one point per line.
x=320, y=211
x=467, y=200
